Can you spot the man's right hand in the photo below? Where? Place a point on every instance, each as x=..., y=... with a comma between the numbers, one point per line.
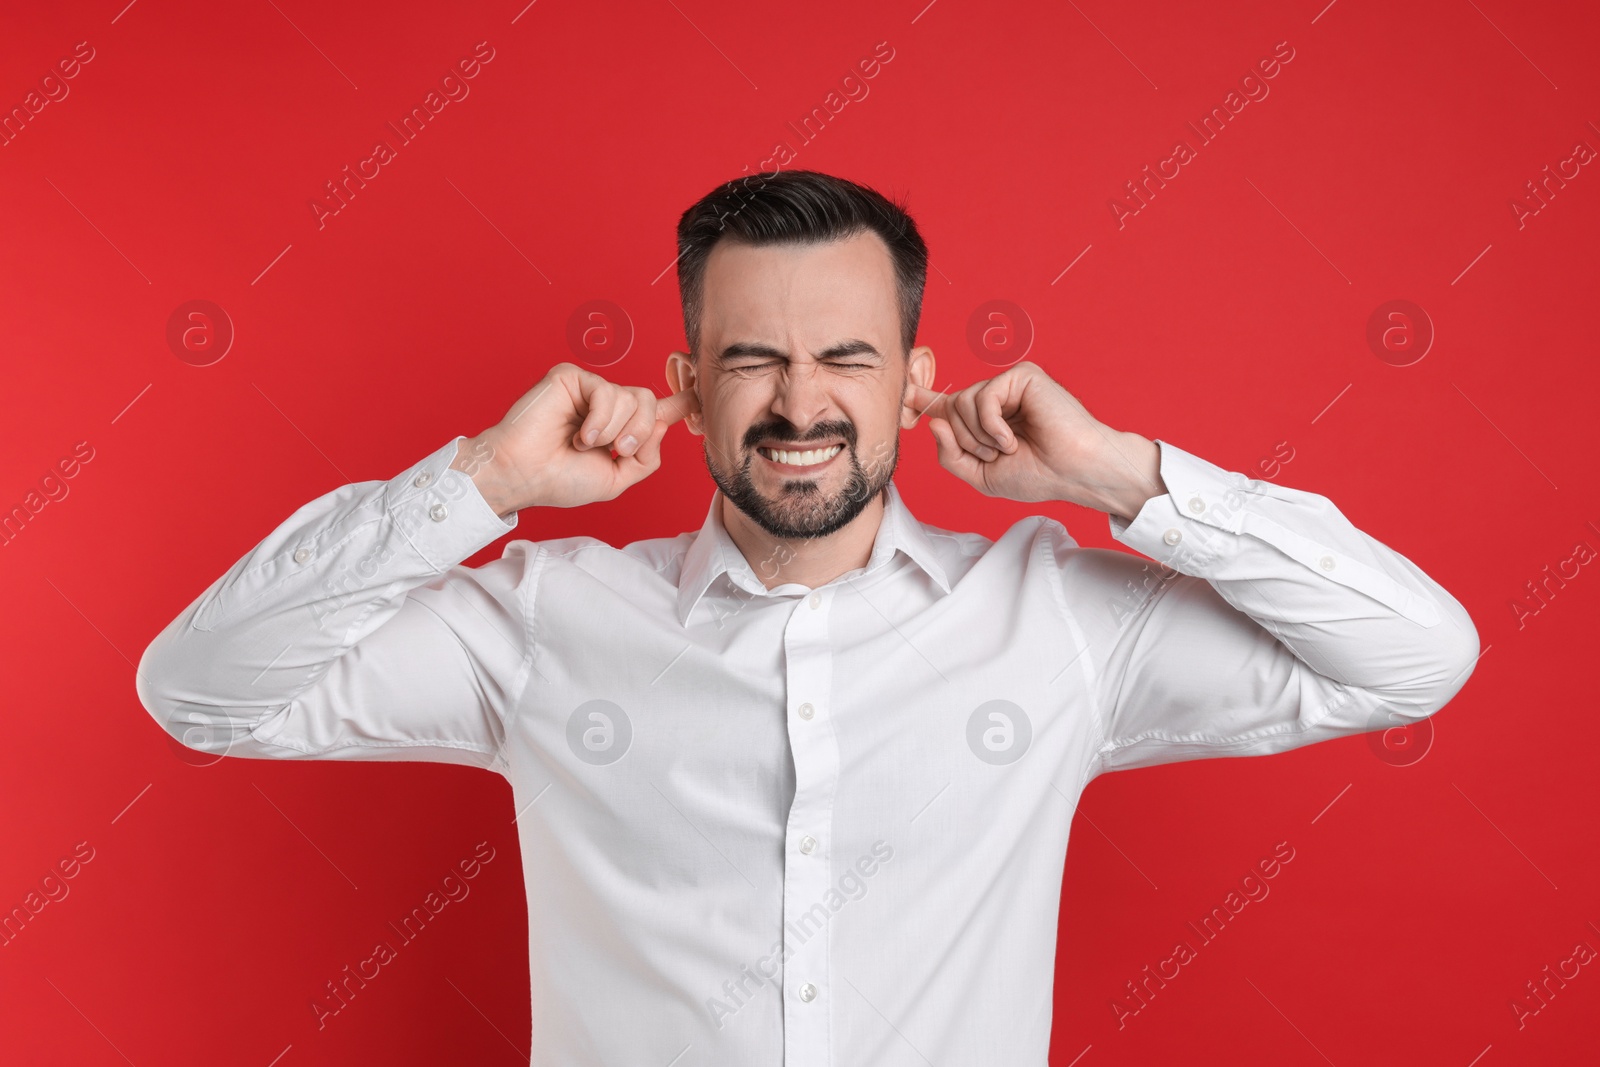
x=553, y=448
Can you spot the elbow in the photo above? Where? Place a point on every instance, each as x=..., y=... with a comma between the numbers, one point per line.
x=199, y=732
x=1461, y=652
x=1457, y=653
x=155, y=684
x=149, y=683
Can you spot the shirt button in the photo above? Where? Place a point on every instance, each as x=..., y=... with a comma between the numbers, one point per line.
x=302, y=554
x=805, y=711
x=816, y=601
x=1172, y=537
x=808, y=844
x=1197, y=505
x=808, y=992
x=1326, y=563
x=422, y=479
x=438, y=512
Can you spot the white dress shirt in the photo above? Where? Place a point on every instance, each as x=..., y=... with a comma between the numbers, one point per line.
x=802, y=826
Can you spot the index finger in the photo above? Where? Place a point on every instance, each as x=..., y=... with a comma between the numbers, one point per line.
x=926, y=401
x=673, y=408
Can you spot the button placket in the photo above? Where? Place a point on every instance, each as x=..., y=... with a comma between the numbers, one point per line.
x=806, y=879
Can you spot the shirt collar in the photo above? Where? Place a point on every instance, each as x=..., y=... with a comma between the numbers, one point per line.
x=713, y=552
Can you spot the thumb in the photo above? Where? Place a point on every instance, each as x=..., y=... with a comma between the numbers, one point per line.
x=645, y=459
x=649, y=453
x=684, y=402
x=925, y=401
x=952, y=457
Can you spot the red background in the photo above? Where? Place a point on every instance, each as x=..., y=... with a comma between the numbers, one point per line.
x=1225, y=316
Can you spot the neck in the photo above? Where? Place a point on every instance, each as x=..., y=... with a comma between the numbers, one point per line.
x=812, y=561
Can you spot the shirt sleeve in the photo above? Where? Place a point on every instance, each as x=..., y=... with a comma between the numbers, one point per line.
x=1266, y=622
x=353, y=632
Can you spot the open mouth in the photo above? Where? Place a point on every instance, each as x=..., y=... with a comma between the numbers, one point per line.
x=791, y=460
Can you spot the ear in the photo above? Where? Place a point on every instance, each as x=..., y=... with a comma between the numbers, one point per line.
x=681, y=375
x=919, y=371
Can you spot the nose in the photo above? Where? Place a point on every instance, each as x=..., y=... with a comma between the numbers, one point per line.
x=802, y=396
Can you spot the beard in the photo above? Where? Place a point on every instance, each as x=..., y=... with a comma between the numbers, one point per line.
x=804, y=509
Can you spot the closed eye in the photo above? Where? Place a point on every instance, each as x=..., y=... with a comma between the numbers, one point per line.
x=779, y=362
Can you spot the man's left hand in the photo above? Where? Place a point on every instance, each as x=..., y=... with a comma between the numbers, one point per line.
x=1021, y=436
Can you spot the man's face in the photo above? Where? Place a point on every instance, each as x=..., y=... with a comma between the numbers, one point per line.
x=800, y=353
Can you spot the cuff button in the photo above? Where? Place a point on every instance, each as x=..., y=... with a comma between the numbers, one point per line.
x=438, y=512
x=422, y=479
x=1172, y=537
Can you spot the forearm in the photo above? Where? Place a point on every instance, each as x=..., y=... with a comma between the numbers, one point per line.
x=1271, y=622
x=330, y=574
x=1349, y=606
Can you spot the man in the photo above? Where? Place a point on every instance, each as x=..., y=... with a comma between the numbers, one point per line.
x=795, y=788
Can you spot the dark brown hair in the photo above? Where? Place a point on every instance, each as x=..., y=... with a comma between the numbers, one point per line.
x=797, y=207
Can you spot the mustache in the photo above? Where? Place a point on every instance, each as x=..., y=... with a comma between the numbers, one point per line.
x=784, y=431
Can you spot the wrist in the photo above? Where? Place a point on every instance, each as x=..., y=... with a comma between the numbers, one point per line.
x=1127, y=475
x=479, y=459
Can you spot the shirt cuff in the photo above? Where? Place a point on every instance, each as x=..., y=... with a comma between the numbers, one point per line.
x=440, y=510
x=1178, y=528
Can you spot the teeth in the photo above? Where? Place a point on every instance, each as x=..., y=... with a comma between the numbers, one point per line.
x=802, y=459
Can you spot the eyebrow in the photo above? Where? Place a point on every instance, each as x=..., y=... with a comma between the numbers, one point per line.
x=740, y=349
